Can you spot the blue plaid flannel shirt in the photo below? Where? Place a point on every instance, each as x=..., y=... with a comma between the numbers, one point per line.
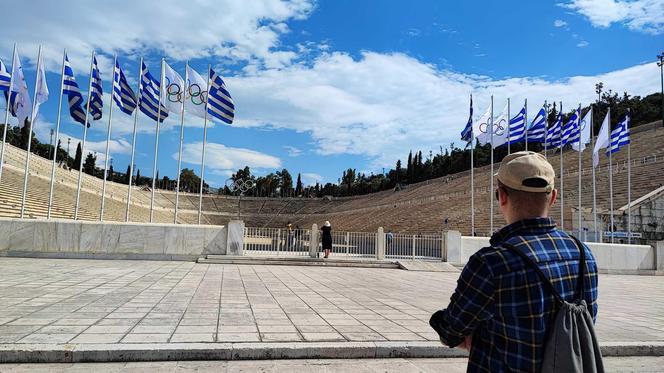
x=501, y=302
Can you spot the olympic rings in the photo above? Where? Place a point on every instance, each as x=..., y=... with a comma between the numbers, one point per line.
x=498, y=127
x=240, y=185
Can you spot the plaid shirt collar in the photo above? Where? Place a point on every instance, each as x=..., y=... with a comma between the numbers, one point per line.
x=523, y=227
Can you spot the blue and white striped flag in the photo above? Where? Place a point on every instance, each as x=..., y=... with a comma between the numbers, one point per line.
x=70, y=88
x=220, y=103
x=620, y=135
x=570, y=133
x=96, y=94
x=467, y=133
x=148, y=96
x=517, y=127
x=123, y=95
x=553, y=133
x=537, y=129
x=5, y=78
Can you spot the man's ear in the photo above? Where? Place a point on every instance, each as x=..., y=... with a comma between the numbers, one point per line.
x=502, y=197
x=553, y=198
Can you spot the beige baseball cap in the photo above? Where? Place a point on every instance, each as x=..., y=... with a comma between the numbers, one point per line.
x=527, y=171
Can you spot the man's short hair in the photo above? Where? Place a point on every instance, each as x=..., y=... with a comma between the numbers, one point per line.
x=528, y=202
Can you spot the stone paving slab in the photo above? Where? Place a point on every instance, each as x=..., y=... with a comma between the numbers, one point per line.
x=51, y=301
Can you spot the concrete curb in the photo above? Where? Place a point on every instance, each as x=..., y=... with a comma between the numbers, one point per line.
x=79, y=353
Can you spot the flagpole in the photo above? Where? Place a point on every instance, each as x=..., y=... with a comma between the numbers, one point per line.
x=594, y=141
x=508, y=125
x=610, y=176
x=472, y=177
x=546, y=126
x=562, y=187
x=525, y=121
x=200, y=191
x=108, y=140
x=629, y=185
x=156, y=141
x=177, y=188
x=32, y=119
x=133, y=138
x=491, y=174
x=57, y=136
x=579, y=154
x=4, y=130
x=85, y=134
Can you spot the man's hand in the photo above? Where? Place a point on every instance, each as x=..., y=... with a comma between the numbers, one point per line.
x=465, y=345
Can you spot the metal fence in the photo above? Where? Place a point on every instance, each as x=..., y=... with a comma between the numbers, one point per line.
x=281, y=241
x=276, y=241
x=414, y=246
x=354, y=244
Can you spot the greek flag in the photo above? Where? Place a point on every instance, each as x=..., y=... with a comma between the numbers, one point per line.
x=220, y=103
x=537, y=130
x=570, y=133
x=148, y=96
x=517, y=127
x=467, y=133
x=620, y=135
x=96, y=93
x=553, y=133
x=123, y=96
x=70, y=88
x=5, y=78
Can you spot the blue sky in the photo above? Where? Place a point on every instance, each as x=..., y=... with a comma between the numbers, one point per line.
x=321, y=86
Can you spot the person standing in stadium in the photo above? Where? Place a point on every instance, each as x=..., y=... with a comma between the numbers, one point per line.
x=326, y=238
x=501, y=310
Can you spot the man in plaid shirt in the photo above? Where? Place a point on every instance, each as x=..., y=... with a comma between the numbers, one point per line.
x=500, y=310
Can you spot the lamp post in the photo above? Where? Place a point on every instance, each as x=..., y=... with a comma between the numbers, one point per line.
x=660, y=63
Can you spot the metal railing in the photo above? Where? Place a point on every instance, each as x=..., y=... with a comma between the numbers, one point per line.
x=354, y=244
x=276, y=241
x=414, y=246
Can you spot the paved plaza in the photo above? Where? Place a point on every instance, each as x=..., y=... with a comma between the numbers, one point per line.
x=50, y=301
x=639, y=364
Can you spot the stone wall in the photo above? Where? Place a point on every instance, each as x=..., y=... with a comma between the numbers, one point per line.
x=109, y=240
x=611, y=258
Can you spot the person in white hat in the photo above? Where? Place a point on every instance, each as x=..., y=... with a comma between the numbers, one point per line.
x=500, y=310
x=326, y=238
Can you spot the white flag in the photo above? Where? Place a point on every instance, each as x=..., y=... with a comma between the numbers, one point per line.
x=584, y=135
x=42, y=89
x=500, y=129
x=196, y=93
x=482, y=128
x=602, y=140
x=172, y=90
x=20, y=98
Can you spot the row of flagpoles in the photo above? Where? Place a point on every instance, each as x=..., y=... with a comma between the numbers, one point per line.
x=157, y=98
x=577, y=132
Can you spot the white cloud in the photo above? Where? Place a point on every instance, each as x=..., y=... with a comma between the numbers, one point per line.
x=559, y=23
x=222, y=159
x=232, y=29
x=293, y=151
x=310, y=178
x=582, y=44
x=381, y=105
x=638, y=15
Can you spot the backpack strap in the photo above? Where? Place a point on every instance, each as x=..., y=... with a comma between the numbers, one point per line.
x=582, y=267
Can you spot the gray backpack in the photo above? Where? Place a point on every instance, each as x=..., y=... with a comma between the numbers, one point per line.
x=571, y=344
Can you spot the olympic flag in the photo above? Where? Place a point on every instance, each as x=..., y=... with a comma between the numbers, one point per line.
x=481, y=128
x=19, y=98
x=196, y=93
x=173, y=91
x=500, y=129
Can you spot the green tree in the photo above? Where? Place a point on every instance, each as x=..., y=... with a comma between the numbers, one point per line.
x=298, y=187
x=78, y=157
x=110, y=173
x=285, y=182
x=89, y=164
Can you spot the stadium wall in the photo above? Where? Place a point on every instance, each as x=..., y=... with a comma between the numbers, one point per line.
x=611, y=258
x=111, y=240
